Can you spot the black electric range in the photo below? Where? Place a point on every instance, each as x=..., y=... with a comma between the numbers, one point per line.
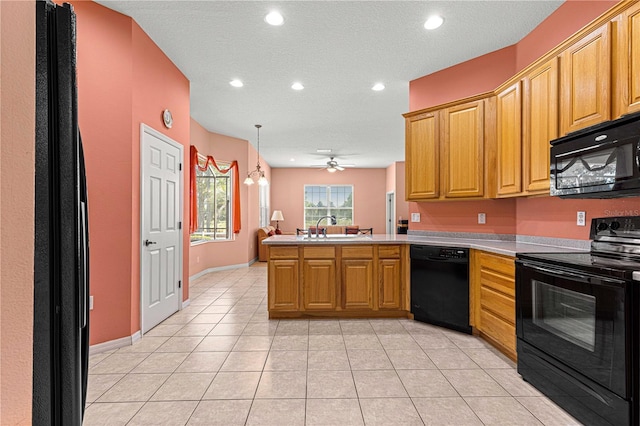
x=578, y=324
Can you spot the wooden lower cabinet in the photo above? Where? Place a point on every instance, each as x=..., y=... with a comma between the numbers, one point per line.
x=389, y=273
x=357, y=283
x=319, y=284
x=338, y=281
x=492, y=307
x=283, y=285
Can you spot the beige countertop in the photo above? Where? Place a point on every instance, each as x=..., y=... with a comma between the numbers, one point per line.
x=508, y=248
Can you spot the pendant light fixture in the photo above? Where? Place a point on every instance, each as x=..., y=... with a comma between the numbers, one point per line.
x=262, y=180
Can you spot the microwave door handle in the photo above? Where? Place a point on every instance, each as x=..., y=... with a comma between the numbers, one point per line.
x=573, y=275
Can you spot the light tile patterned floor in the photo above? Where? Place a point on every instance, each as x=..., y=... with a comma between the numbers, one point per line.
x=221, y=361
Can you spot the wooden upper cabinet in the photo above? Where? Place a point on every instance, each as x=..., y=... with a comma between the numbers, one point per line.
x=585, y=81
x=509, y=140
x=626, y=61
x=463, y=150
x=421, y=152
x=540, y=125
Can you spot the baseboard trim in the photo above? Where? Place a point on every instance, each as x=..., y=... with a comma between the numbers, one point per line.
x=222, y=268
x=186, y=303
x=115, y=344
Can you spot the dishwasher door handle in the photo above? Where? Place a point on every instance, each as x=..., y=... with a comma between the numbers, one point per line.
x=441, y=259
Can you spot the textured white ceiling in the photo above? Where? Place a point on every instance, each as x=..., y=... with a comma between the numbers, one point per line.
x=338, y=50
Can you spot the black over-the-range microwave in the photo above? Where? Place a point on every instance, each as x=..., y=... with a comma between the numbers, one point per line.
x=602, y=161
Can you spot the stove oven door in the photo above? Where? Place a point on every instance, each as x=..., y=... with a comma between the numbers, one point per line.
x=576, y=318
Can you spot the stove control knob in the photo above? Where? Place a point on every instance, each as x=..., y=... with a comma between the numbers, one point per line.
x=602, y=226
x=615, y=225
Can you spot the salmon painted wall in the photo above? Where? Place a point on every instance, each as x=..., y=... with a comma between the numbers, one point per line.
x=541, y=216
x=559, y=215
x=287, y=194
x=396, y=184
x=157, y=85
x=478, y=75
x=17, y=132
x=568, y=19
x=243, y=248
x=105, y=117
x=402, y=206
x=128, y=82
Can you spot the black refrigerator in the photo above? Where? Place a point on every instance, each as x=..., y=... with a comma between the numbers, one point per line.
x=61, y=255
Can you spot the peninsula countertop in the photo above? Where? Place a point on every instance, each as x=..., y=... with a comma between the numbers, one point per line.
x=508, y=248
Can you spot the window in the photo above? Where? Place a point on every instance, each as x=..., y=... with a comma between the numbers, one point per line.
x=264, y=205
x=325, y=200
x=214, y=204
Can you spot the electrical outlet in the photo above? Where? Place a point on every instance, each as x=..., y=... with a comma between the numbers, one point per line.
x=581, y=219
x=415, y=217
x=91, y=303
x=197, y=259
x=482, y=218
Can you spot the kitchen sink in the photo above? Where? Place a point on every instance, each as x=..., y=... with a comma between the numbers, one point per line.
x=335, y=237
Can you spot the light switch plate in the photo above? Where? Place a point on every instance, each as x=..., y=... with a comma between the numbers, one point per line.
x=91, y=303
x=482, y=218
x=415, y=217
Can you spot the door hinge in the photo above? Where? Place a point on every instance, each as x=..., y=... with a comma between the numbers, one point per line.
x=180, y=284
x=180, y=225
x=180, y=166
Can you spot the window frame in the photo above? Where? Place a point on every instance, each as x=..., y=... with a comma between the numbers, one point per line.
x=328, y=188
x=211, y=237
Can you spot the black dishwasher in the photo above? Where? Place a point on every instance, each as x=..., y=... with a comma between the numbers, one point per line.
x=440, y=286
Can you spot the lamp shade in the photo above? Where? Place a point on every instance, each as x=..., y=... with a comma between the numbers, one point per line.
x=277, y=215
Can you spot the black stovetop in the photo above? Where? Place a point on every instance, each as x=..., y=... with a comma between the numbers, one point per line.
x=586, y=261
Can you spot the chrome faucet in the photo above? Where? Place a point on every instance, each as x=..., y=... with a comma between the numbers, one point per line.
x=324, y=231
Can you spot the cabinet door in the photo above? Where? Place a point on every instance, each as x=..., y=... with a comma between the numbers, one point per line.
x=540, y=125
x=319, y=284
x=585, y=81
x=627, y=62
x=509, y=138
x=389, y=284
x=283, y=285
x=463, y=149
x=421, y=153
x=357, y=284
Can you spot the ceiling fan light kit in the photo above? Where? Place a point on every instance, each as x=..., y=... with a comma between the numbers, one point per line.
x=332, y=166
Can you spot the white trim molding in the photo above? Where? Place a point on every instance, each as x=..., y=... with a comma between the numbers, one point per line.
x=222, y=268
x=115, y=344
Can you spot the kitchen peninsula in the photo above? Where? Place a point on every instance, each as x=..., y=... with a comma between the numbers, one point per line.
x=348, y=276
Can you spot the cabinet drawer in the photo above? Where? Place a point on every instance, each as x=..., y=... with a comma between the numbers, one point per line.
x=283, y=252
x=498, y=282
x=389, y=252
x=503, y=264
x=319, y=252
x=498, y=329
x=357, y=252
x=499, y=304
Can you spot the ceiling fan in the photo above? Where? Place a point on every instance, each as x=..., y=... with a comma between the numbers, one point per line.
x=332, y=165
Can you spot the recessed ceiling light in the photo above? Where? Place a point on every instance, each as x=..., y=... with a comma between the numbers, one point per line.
x=297, y=86
x=236, y=83
x=274, y=18
x=378, y=87
x=433, y=22
x=323, y=150
x=292, y=159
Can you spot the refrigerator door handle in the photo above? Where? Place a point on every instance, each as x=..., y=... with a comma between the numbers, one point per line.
x=84, y=283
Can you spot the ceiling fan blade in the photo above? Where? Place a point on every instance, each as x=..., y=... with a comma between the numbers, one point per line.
x=340, y=168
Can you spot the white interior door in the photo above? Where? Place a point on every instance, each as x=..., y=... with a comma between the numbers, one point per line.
x=161, y=223
x=391, y=212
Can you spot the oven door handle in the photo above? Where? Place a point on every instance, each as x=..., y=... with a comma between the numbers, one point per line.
x=580, y=277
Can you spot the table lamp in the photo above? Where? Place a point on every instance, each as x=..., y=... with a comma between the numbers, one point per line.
x=277, y=216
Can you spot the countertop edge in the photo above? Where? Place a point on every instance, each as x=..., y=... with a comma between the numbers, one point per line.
x=502, y=247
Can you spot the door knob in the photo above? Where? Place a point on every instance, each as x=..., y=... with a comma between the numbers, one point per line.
x=148, y=243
